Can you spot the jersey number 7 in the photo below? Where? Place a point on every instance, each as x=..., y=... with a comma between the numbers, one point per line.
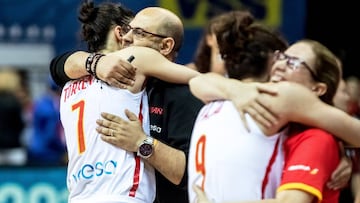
x=80, y=124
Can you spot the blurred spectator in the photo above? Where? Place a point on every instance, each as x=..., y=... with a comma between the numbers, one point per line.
x=341, y=100
x=9, y=79
x=207, y=57
x=353, y=85
x=46, y=145
x=342, y=97
x=352, y=193
x=11, y=122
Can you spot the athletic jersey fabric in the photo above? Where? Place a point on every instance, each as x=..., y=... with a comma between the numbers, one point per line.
x=98, y=171
x=229, y=162
x=310, y=158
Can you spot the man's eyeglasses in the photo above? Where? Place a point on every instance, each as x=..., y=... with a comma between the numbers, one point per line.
x=293, y=62
x=139, y=32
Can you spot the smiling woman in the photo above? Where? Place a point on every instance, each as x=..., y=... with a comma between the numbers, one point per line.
x=317, y=60
x=293, y=62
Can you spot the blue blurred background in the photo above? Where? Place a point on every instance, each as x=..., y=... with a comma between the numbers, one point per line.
x=55, y=22
x=32, y=32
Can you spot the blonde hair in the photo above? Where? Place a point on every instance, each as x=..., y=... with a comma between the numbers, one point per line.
x=9, y=79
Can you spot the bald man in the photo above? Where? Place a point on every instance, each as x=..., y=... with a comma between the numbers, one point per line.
x=173, y=108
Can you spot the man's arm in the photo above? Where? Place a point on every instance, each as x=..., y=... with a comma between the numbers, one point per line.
x=170, y=162
x=181, y=112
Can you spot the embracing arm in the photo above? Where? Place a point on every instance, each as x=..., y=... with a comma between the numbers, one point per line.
x=284, y=101
x=335, y=121
x=212, y=86
x=68, y=66
x=57, y=69
x=71, y=65
x=116, y=71
x=297, y=103
x=151, y=63
x=74, y=66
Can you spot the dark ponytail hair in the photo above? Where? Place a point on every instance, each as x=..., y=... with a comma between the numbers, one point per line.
x=246, y=45
x=96, y=21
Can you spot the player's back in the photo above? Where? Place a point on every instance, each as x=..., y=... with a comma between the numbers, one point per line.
x=230, y=163
x=98, y=171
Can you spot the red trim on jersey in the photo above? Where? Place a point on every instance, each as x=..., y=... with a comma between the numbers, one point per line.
x=136, y=179
x=268, y=169
x=136, y=176
x=140, y=112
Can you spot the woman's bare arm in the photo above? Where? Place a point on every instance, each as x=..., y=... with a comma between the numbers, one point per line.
x=298, y=104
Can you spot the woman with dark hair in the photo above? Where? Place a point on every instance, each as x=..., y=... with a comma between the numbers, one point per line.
x=310, y=155
x=247, y=48
x=99, y=171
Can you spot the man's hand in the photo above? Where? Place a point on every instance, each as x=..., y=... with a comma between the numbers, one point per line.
x=124, y=134
x=116, y=72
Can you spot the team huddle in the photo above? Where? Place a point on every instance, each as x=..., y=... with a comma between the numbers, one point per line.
x=262, y=129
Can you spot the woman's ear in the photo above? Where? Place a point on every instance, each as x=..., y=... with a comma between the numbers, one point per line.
x=319, y=88
x=118, y=33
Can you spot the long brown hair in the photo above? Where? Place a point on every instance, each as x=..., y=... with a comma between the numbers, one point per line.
x=327, y=68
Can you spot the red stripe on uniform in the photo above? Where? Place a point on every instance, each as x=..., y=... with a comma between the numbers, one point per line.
x=136, y=176
x=137, y=163
x=268, y=169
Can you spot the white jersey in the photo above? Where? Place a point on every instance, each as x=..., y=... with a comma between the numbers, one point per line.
x=98, y=171
x=230, y=163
